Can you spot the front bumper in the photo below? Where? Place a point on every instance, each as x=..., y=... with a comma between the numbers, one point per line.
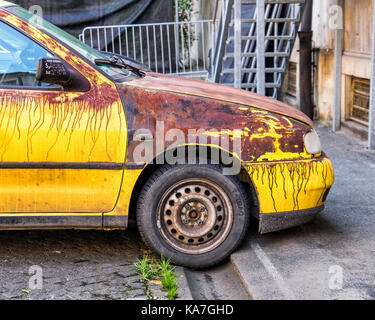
x=284, y=220
x=291, y=192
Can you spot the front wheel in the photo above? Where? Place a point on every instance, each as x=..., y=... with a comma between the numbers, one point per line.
x=193, y=214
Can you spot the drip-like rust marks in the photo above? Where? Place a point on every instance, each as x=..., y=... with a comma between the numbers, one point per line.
x=298, y=185
x=56, y=117
x=50, y=122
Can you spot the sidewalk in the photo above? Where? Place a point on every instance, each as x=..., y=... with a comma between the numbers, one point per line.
x=74, y=265
x=307, y=262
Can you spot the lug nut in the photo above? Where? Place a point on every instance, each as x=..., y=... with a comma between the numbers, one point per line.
x=203, y=209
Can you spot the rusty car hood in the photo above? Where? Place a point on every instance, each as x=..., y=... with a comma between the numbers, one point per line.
x=199, y=88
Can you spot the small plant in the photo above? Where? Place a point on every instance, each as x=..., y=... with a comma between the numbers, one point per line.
x=165, y=265
x=172, y=293
x=27, y=291
x=184, y=9
x=162, y=270
x=146, y=267
x=168, y=278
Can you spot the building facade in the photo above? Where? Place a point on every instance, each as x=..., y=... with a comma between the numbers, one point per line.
x=355, y=17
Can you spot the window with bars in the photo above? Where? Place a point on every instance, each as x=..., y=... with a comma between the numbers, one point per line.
x=360, y=100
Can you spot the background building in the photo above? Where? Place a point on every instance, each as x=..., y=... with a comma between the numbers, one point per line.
x=356, y=63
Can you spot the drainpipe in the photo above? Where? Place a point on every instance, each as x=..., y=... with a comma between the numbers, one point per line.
x=339, y=43
x=305, y=61
x=371, y=139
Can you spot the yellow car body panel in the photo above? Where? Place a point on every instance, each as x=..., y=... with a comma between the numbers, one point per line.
x=123, y=205
x=58, y=190
x=291, y=186
x=61, y=151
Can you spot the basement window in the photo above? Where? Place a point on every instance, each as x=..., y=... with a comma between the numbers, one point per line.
x=292, y=79
x=360, y=100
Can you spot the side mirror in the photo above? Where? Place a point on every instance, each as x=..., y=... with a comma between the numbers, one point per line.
x=55, y=71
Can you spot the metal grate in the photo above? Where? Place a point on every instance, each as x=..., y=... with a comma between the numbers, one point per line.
x=360, y=100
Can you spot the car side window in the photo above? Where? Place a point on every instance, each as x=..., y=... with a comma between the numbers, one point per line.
x=19, y=58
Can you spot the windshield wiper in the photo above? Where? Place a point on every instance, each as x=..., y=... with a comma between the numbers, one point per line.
x=119, y=62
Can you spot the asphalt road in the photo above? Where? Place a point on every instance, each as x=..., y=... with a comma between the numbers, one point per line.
x=332, y=257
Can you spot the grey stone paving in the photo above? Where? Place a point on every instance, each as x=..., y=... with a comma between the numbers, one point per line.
x=75, y=265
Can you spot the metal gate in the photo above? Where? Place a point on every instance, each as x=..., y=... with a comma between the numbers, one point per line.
x=174, y=47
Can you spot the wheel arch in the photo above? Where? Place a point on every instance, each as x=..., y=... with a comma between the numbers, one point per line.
x=152, y=167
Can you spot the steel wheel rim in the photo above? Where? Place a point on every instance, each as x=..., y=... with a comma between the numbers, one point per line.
x=194, y=216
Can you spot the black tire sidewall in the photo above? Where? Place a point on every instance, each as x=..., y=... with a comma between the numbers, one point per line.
x=161, y=182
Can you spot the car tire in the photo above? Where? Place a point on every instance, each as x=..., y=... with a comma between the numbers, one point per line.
x=193, y=214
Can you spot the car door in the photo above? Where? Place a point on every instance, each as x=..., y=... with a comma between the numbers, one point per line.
x=60, y=152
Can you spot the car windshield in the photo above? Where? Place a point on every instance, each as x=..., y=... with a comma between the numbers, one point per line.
x=117, y=73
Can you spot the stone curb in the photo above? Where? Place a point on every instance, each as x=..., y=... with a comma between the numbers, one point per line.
x=184, y=292
x=258, y=285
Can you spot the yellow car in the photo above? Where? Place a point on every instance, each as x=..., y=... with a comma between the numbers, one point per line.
x=88, y=141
